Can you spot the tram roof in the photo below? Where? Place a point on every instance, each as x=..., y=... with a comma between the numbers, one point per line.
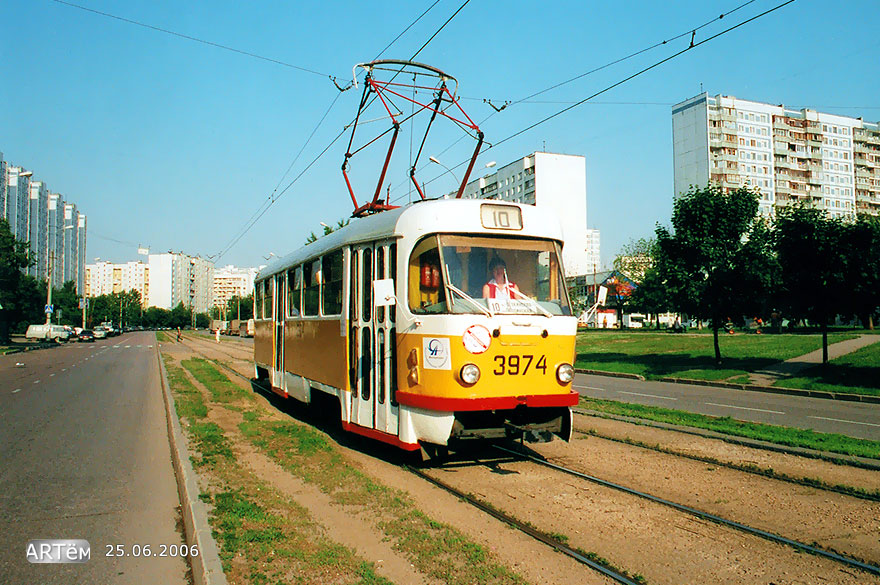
x=421, y=218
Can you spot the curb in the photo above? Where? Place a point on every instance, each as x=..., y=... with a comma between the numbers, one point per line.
x=206, y=567
x=611, y=374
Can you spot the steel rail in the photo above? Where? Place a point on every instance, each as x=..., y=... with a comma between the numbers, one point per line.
x=526, y=529
x=704, y=515
x=769, y=474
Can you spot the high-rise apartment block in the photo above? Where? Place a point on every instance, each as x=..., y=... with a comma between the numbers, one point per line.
x=557, y=182
x=164, y=281
x=179, y=278
x=827, y=161
x=230, y=281
x=52, y=228
x=103, y=278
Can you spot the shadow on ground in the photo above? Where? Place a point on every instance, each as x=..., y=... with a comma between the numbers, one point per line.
x=668, y=364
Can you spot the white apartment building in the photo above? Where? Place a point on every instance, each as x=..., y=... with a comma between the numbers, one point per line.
x=51, y=227
x=830, y=162
x=69, y=267
x=230, y=281
x=38, y=225
x=553, y=181
x=104, y=278
x=15, y=201
x=179, y=278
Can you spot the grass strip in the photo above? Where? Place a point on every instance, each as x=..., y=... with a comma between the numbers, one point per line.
x=187, y=399
x=162, y=337
x=222, y=389
x=788, y=436
x=264, y=538
x=434, y=548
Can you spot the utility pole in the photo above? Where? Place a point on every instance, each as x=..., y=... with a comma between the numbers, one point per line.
x=49, y=288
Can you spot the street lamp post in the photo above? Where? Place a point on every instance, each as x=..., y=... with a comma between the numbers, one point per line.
x=448, y=170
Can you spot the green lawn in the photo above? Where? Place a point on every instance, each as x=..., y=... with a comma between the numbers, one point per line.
x=855, y=373
x=659, y=355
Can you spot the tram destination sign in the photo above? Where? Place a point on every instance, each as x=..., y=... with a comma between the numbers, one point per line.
x=501, y=217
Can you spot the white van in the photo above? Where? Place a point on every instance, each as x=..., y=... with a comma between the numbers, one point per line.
x=47, y=332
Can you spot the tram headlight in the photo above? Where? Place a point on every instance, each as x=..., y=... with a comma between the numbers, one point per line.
x=469, y=374
x=565, y=373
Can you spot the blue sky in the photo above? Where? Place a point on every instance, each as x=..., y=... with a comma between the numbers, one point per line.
x=174, y=144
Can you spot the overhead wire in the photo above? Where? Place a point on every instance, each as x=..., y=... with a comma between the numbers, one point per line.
x=692, y=45
x=195, y=39
x=264, y=207
x=526, y=99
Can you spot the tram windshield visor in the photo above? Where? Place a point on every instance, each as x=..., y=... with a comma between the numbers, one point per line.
x=489, y=275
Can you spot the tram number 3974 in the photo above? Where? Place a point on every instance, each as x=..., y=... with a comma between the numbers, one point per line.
x=515, y=365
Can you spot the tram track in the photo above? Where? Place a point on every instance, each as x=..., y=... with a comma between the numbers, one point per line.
x=751, y=469
x=589, y=559
x=584, y=558
x=778, y=539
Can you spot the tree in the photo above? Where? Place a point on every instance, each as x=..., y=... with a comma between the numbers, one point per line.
x=709, y=262
x=13, y=258
x=66, y=300
x=651, y=296
x=327, y=230
x=813, y=265
x=240, y=307
x=862, y=253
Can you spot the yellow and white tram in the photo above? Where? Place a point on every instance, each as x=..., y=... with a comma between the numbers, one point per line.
x=390, y=318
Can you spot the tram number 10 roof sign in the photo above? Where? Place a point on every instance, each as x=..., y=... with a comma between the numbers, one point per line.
x=396, y=97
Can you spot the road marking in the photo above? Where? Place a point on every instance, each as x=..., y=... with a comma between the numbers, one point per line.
x=50, y=375
x=588, y=388
x=63, y=369
x=853, y=422
x=744, y=408
x=36, y=381
x=648, y=395
x=16, y=390
x=127, y=346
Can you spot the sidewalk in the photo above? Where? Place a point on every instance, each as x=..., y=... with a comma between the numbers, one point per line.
x=792, y=367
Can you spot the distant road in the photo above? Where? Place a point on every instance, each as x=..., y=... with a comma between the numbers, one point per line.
x=855, y=419
x=86, y=456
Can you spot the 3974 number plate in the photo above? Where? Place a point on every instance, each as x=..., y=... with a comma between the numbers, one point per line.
x=519, y=365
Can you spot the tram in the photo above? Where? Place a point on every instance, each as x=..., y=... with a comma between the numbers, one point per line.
x=438, y=322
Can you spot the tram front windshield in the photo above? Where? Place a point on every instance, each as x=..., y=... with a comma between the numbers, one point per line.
x=495, y=275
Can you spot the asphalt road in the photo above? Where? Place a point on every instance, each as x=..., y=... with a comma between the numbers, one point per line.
x=86, y=456
x=855, y=419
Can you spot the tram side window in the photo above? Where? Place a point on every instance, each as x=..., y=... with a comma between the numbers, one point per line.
x=258, y=300
x=311, y=295
x=426, y=291
x=294, y=284
x=331, y=269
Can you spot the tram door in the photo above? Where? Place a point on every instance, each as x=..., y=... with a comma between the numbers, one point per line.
x=372, y=338
x=278, y=294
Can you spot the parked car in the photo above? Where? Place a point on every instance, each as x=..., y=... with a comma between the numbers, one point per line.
x=47, y=332
x=99, y=332
x=86, y=335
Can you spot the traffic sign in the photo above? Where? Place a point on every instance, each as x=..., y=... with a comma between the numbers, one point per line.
x=49, y=309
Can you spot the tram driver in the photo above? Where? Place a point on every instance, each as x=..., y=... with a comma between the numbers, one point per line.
x=499, y=287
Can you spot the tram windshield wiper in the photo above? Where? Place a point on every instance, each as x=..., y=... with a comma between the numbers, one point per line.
x=470, y=299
